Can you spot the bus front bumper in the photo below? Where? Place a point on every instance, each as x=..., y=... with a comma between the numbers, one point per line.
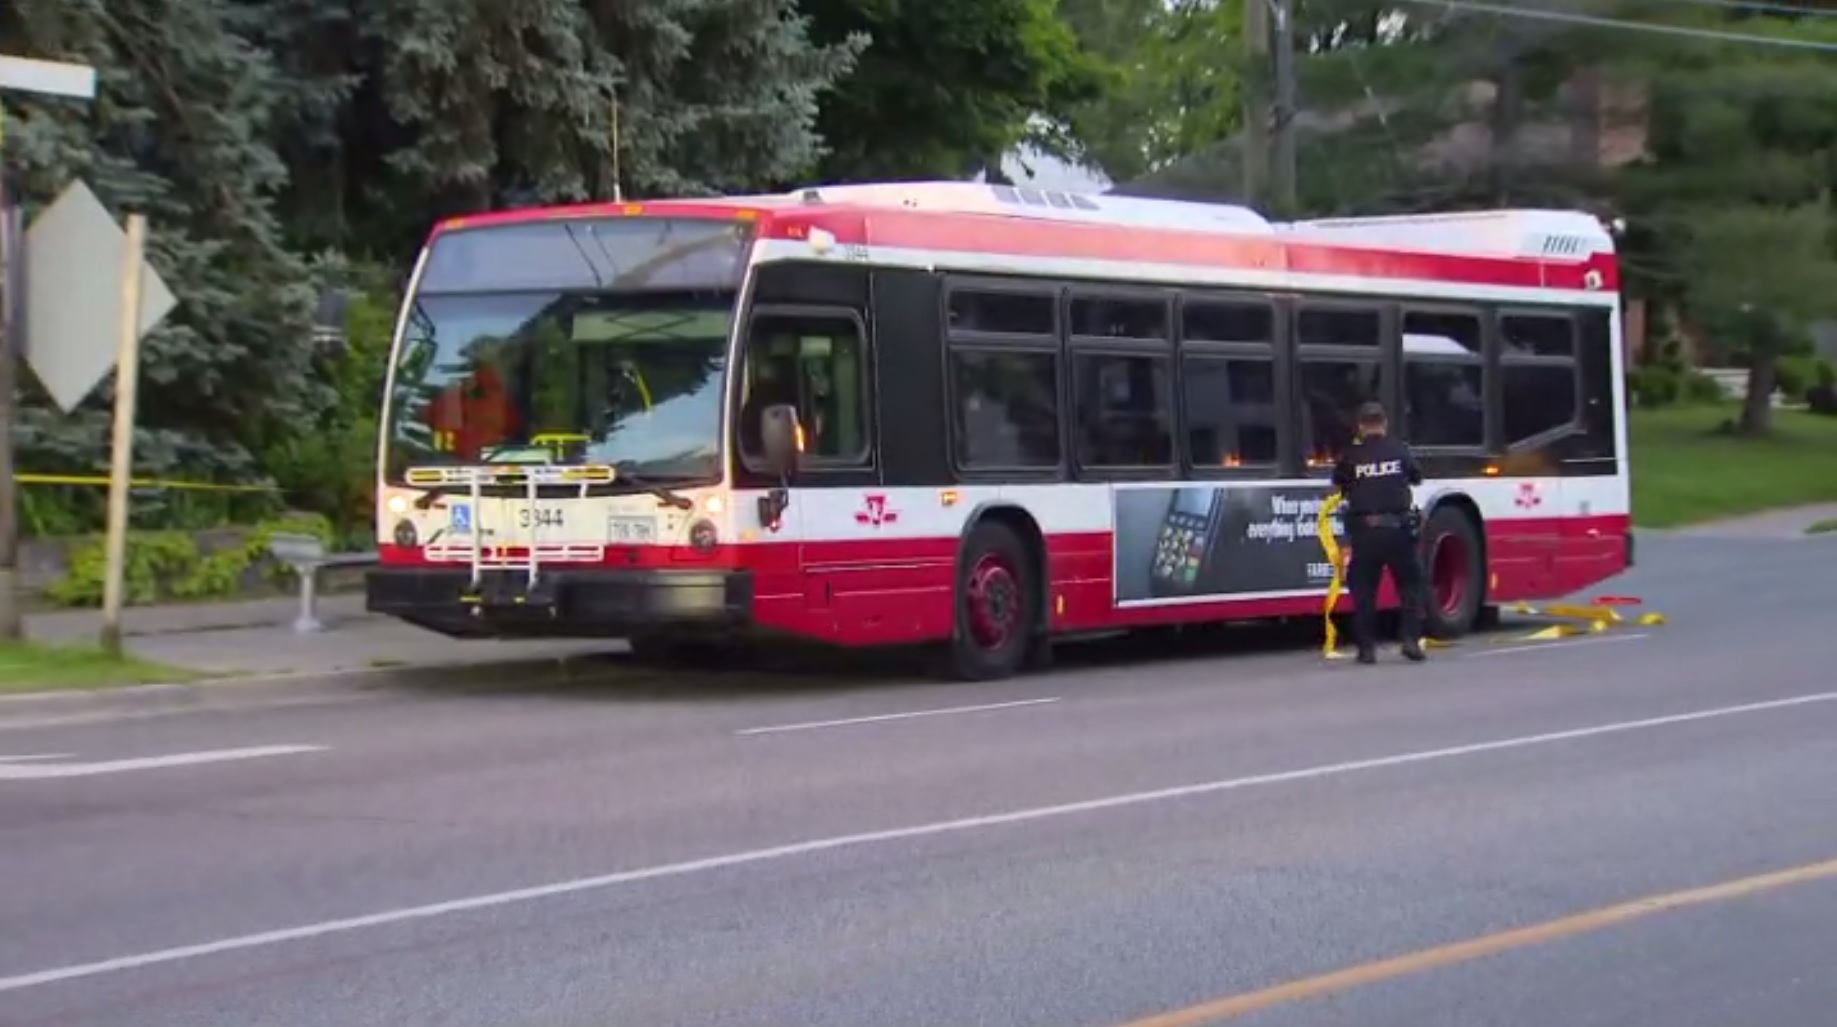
x=591, y=603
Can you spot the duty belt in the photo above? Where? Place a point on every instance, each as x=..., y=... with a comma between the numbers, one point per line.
x=1383, y=520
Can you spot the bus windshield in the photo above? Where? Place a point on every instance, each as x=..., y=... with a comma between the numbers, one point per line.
x=598, y=342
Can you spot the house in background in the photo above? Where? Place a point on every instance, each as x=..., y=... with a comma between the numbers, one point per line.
x=1547, y=158
x=1474, y=155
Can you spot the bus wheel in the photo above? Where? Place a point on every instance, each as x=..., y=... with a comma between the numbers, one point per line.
x=1456, y=573
x=996, y=605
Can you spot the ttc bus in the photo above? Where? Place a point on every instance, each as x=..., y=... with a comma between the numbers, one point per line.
x=979, y=416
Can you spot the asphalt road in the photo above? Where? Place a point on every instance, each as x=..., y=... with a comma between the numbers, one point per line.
x=1131, y=835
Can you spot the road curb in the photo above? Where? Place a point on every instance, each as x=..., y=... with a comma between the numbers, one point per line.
x=44, y=709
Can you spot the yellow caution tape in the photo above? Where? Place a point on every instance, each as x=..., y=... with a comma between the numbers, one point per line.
x=139, y=483
x=1586, y=619
x=1330, y=649
x=1589, y=613
x=1337, y=587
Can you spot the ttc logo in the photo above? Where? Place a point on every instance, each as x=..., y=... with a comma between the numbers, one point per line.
x=875, y=512
x=1528, y=496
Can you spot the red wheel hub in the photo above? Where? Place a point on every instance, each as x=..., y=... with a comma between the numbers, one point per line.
x=1450, y=565
x=994, y=601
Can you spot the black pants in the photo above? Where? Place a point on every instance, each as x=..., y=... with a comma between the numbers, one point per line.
x=1373, y=550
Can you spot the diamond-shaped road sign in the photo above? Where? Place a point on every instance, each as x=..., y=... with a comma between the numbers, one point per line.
x=73, y=258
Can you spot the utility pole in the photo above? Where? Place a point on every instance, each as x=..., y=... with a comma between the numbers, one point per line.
x=1284, y=173
x=618, y=189
x=1256, y=107
x=12, y=624
x=42, y=78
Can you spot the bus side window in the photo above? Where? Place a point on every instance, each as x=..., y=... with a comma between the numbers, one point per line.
x=817, y=363
x=1444, y=379
x=1338, y=368
x=1331, y=391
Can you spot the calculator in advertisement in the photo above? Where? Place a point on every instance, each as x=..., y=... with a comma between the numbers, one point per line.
x=1185, y=537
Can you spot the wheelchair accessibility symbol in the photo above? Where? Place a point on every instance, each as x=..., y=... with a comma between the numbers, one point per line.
x=462, y=519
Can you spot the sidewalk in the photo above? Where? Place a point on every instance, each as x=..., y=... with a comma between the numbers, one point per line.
x=257, y=638
x=1790, y=522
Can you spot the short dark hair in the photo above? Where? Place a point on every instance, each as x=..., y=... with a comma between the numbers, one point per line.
x=1371, y=415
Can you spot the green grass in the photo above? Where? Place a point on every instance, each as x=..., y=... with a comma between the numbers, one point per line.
x=32, y=667
x=1685, y=471
x=1823, y=527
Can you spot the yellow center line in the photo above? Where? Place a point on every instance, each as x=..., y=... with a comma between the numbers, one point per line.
x=1475, y=948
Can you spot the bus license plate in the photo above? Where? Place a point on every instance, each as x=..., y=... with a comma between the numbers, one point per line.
x=631, y=530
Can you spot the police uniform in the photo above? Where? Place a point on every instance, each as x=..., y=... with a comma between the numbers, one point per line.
x=1382, y=526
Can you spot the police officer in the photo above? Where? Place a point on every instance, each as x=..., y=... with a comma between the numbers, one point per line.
x=1382, y=525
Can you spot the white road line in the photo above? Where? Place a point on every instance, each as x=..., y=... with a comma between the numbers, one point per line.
x=39, y=770
x=304, y=932
x=1572, y=643
x=884, y=717
x=28, y=722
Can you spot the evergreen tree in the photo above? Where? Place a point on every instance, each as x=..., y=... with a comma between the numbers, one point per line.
x=944, y=88
x=179, y=131
x=1731, y=212
x=405, y=111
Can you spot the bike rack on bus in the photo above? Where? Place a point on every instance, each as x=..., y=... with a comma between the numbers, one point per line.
x=532, y=477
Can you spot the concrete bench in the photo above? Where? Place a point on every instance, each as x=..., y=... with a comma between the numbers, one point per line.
x=307, y=556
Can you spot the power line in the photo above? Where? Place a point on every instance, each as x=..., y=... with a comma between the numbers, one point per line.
x=1593, y=21
x=1760, y=7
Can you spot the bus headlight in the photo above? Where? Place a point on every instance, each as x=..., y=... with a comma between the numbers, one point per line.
x=704, y=536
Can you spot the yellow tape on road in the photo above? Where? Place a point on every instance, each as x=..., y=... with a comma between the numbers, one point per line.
x=1338, y=585
x=1581, y=619
x=140, y=483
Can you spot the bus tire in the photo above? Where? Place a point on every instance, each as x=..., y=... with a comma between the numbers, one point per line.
x=997, y=605
x=1455, y=573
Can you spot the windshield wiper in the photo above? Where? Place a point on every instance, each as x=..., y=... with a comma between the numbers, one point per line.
x=661, y=491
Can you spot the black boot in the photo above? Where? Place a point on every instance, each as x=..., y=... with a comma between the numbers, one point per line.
x=1412, y=651
x=1367, y=654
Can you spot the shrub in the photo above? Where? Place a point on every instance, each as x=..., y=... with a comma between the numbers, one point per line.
x=1654, y=386
x=1697, y=387
x=1794, y=374
x=1822, y=399
x=163, y=566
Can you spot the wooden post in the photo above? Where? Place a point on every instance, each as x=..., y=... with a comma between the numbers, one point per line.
x=121, y=460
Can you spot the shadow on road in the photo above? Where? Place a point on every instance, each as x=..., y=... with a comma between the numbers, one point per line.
x=789, y=669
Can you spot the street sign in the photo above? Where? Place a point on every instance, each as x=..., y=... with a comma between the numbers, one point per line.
x=72, y=309
x=48, y=78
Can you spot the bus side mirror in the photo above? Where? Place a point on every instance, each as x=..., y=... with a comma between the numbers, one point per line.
x=778, y=430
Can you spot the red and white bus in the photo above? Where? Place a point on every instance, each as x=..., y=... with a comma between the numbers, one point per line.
x=1018, y=414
